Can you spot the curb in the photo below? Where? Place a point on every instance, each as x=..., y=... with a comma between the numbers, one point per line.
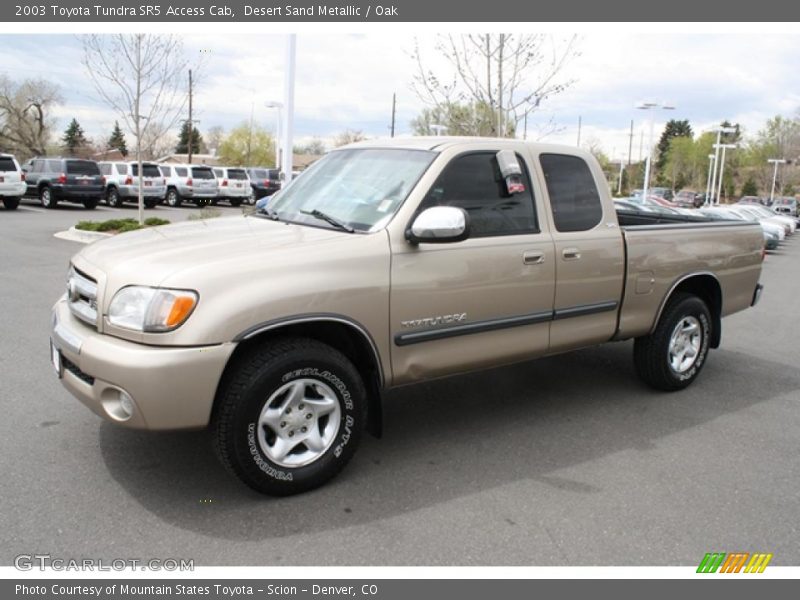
x=82, y=237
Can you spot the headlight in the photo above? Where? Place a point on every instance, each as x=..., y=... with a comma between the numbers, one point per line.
x=151, y=309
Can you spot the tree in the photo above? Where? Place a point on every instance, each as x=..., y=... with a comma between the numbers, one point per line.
x=673, y=129
x=315, y=147
x=348, y=136
x=750, y=188
x=510, y=74
x=458, y=119
x=247, y=145
x=183, y=140
x=25, y=120
x=214, y=137
x=139, y=76
x=74, y=139
x=117, y=140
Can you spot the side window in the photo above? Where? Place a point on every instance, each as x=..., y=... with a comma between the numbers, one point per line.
x=122, y=168
x=218, y=173
x=573, y=193
x=165, y=171
x=473, y=182
x=36, y=166
x=54, y=166
x=105, y=169
x=181, y=171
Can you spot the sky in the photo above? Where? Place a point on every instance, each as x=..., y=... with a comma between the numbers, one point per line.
x=347, y=82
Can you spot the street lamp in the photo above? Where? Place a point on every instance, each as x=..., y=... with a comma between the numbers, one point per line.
x=776, y=162
x=719, y=130
x=722, y=165
x=438, y=129
x=707, y=199
x=279, y=106
x=650, y=106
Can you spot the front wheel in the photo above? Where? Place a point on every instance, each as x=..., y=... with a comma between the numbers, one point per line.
x=174, y=198
x=290, y=416
x=673, y=355
x=90, y=203
x=113, y=198
x=46, y=197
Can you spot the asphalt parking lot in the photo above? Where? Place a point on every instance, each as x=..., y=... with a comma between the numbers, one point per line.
x=563, y=461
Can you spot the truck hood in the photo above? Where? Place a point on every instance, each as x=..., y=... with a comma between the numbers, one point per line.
x=151, y=255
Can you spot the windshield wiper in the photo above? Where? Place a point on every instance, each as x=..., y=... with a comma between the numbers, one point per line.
x=318, y=214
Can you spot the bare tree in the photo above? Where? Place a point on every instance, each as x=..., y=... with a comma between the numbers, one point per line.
x=140, y=77
x=348, y=136
x=214, y=137
x=25, y=122
x=508, y=73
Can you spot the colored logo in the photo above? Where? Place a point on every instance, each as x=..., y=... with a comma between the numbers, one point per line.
x=734, y=562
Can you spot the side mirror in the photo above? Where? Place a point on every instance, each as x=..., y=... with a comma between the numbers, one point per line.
x=439, y=225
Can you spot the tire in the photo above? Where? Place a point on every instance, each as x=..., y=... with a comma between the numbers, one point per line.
x=90, y=203
x=11, y=203
x=236, y=202
x=252, y=440
x=47, y=198
x=685, y=326
x=173, y=198
x=113, y=198
x=150, y=202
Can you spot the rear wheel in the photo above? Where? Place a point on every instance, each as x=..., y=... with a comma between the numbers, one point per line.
x=90, y=203
x=46, y=197
x=11, y=203
x=113, y=198
x=672, y=356
x=174, y=198
x=290, y=416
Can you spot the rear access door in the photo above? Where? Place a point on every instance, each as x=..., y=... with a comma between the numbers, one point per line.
x=589, y=253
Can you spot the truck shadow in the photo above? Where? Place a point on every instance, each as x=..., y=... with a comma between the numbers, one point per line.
x=447, y=439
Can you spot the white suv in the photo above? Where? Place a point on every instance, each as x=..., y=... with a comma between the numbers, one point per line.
x=234, y=185
x=122, y=183
x=12, y=181
x=190, y=182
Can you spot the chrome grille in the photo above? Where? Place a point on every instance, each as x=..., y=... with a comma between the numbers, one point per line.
x=82, y=296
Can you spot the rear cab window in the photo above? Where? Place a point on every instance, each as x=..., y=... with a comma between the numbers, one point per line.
x=7, y=164
x=574, y=199
x=82, y=167
x=202, y=173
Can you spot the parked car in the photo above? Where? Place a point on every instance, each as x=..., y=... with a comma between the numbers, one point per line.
x=786, y=206
x=723, y=213
x=753, y=200
x=69, y=179
x=122, y=183
x=659, y=192
x=689, y=199
x=764, y=213
x=234, y=185
x=747, y=214
x=264, y=182
x=12, y=181
x=195, y=183
x=437, y=260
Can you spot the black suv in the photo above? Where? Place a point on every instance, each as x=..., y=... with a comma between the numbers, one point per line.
x=69, y=179
x=264, y=182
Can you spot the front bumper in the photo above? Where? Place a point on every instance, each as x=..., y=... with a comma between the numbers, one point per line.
x=168, y=387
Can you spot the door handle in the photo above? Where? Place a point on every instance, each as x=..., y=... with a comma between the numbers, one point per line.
x=533, y=258
x=571, y=253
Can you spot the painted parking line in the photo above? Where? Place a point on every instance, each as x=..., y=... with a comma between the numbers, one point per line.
x=31, y=209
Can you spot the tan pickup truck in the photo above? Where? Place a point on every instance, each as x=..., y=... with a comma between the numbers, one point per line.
x=385, y=264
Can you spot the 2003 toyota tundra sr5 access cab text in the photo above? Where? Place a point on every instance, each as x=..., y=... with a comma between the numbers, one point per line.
x=386, y=263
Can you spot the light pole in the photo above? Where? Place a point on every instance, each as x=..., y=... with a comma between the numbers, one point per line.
x=650, y=106
x=619, y=185
x=707, y=199
x=776, y=162
x=288, y=103
x=279, y=106
x=438, y=129
x=722, y=165
x=720, y=130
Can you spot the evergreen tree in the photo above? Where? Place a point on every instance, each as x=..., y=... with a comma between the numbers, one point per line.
x=74, y=138
x=750, y=188
x=117, y=140
x=183, y=139
x=673, y=129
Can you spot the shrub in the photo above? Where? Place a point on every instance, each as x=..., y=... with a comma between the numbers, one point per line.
x=118, y=225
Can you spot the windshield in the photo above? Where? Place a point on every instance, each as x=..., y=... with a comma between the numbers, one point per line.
x=360, y=188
